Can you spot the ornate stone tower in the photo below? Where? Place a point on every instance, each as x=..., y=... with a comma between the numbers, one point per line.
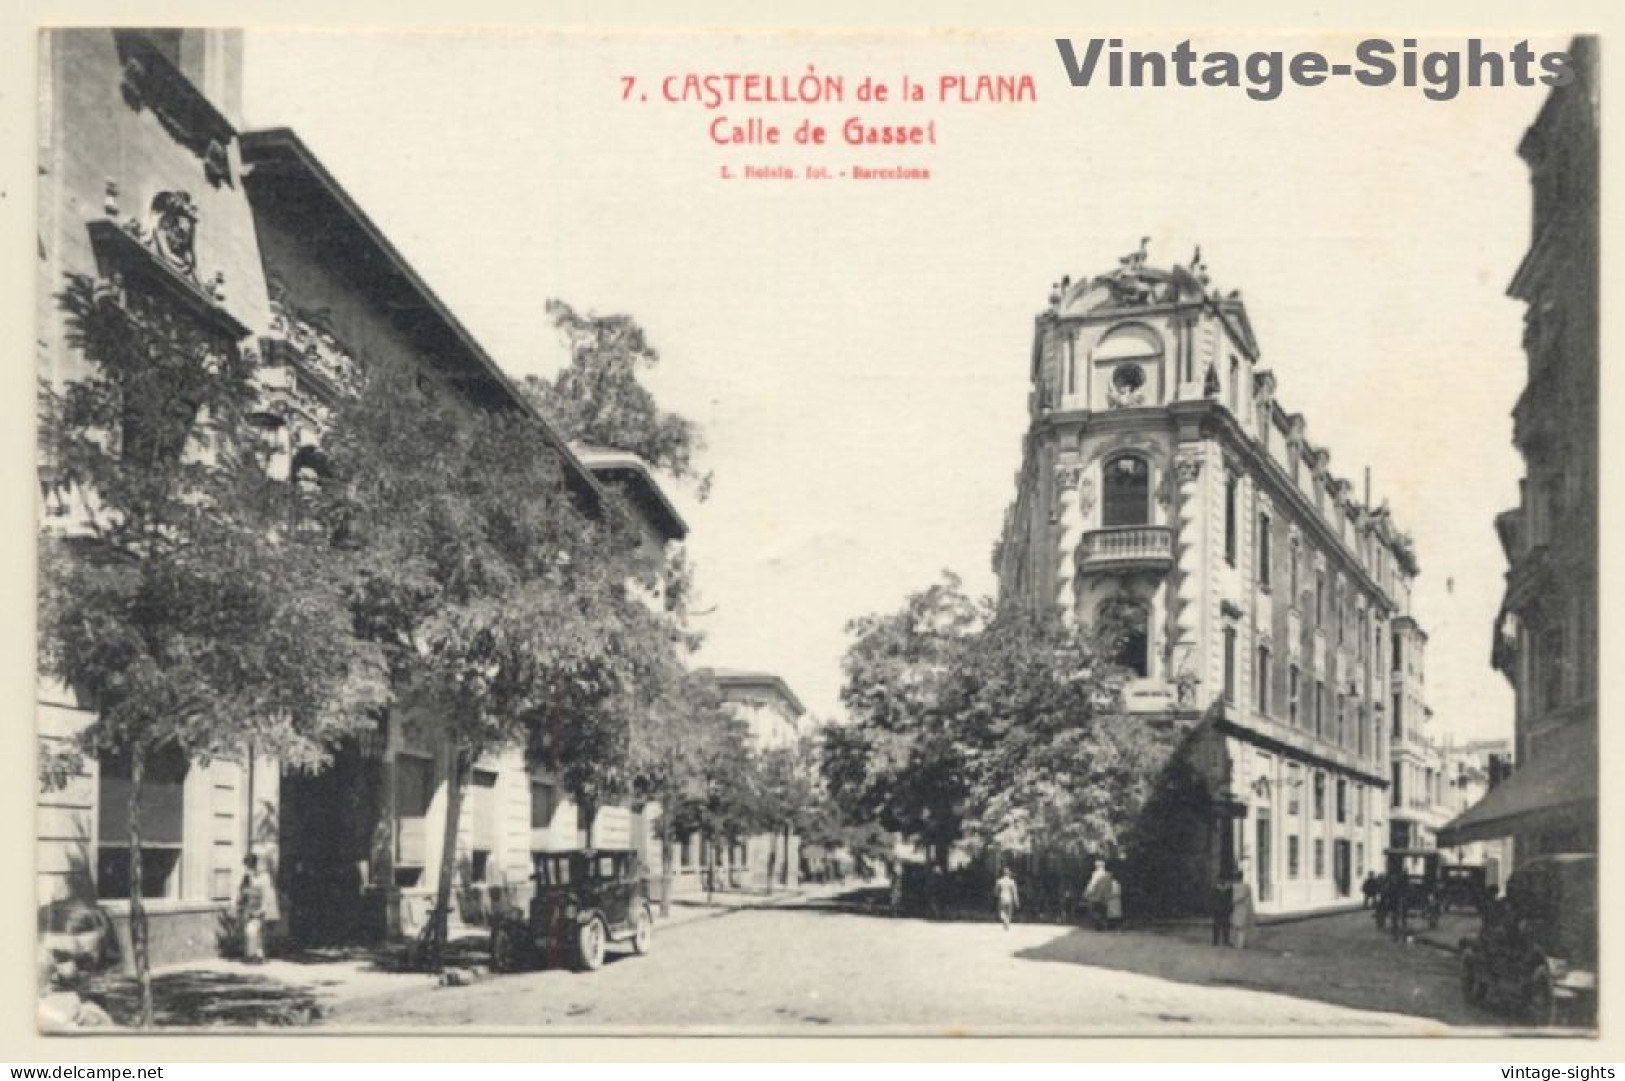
x=1160, y=474
x=1118, y=484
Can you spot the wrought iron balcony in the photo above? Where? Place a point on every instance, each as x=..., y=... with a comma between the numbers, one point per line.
x=1140, y=547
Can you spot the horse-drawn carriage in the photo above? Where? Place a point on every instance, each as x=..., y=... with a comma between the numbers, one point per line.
x=1410, y=888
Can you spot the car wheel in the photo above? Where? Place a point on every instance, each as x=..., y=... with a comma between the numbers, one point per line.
x=590, y=940
x=1541, y=1002
x=643, y=932
x=504, y=948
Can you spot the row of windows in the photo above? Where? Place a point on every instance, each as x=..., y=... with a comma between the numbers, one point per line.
x=1126, y=501
x=1294, y=868
x=1427, y=791
x=1350, y=620
x=1349, y=800
x=1349, y=723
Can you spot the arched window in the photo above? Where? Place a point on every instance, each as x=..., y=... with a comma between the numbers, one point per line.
x=1126, y=486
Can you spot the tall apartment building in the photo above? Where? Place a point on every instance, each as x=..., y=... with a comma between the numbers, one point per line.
x=1545, y=638
x=1416, y=793
x=1160, y=469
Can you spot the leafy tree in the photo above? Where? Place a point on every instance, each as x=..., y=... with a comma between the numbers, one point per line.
x=1002, y=726
x=902, y=762
x=671, y=747
x=719, y=800
x=501, y=602
x=1052, y=762
x=185, y=597
x=597, y=398
x=790, y=799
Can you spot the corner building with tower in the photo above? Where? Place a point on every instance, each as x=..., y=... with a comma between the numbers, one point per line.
x=1159, y=469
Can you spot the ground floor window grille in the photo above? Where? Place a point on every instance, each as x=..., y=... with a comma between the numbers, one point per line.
x=1320, y=858
x=1292, y=858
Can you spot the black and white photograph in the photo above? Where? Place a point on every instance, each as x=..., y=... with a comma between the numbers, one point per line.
x=1071, y=532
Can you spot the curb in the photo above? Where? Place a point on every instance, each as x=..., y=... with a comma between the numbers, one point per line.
x=712, y=911
x=1313, y=914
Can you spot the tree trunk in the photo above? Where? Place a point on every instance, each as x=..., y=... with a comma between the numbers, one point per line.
x=462, y=767
x=666, y=811
x=789, y=861
x=710, y=864
x=138, y=911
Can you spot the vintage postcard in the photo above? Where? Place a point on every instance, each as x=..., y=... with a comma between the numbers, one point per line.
x=817, y=533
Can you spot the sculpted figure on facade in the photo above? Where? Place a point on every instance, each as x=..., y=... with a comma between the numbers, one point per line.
x=174, y=230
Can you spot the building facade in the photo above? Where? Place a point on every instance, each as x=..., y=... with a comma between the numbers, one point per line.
x=1417, y=806
x=1472, y=769
x=1545, y=636
x=1161, y=475
x=141, y=186
x=140, y=152
x=774, y=716
x=362, y=840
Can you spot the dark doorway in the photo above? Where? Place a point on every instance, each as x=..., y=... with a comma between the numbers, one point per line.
x=1266, y=858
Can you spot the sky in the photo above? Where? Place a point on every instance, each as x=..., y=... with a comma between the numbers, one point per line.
x=856, y=352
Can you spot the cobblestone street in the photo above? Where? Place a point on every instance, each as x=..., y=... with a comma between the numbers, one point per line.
x=813, y=968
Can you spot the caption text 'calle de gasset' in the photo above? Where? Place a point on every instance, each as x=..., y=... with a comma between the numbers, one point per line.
x=749, y=111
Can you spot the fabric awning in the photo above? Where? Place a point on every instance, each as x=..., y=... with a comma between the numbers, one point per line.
x=1560, y=784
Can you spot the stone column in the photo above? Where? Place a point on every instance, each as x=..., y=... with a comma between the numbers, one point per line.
x=1188, y=585
x=1068, y=514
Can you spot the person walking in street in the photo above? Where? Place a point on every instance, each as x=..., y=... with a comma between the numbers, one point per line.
x=270, y=909
x=251, y=911
x=1007, y=897
x=1114, y=901
x=1369, y=890
x=896, y=887
x=1097, y=894
x=1241, y=909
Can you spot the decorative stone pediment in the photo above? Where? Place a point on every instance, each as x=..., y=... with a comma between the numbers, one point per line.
x=1134, y=284
x=162, y=261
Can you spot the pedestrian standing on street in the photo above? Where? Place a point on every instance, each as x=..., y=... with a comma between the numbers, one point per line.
x=1114, y=901
x=896, y=887
x=1008, y=898
x=1369, y=889
x=1219, y=903
x=1097, y=893
x=251, y=911
x=270, y=908
x=1241, y=910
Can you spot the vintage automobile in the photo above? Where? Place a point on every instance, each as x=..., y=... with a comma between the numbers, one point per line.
x=1536, y=952
x=584, y=901
x=1409, y=889
x=1463, y=886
